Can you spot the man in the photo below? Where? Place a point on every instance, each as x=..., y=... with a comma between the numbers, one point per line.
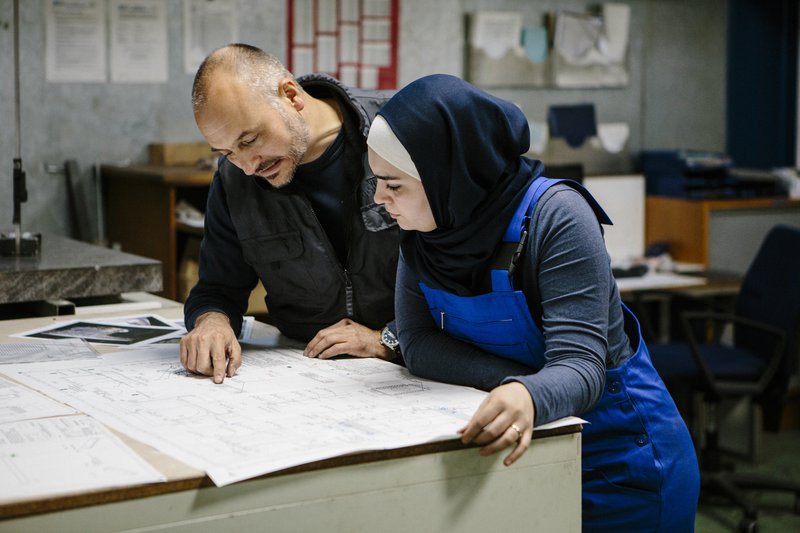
x=291, y=203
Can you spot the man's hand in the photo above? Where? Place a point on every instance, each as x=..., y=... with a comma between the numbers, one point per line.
x=347, y=337
x=204, y=350
x=504, y=418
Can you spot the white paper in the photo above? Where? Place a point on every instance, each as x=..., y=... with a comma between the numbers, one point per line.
x=68, y=454
x=616, y=19
x=376, y=30
x=75, y=40
x=303, y=22
x=207, y=25
x=326, y=16
x=247, y=328
x=368, y=77
x=612, y=136
x=576, y=38
x=348, y=10
x=623, y=199
x=18, y=402
x=302, y=61
x=349, y=75
x=561, y=423
x=376, y=8
x=52, y=350
x=496, y=32
x=280, y=410
x=540, y=134
x=590, y=40
x=138, y=34
x=659, y=280
x=348, y=44
x=326, y=54
x=376, y=54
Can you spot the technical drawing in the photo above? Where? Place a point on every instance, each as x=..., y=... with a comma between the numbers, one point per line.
x=280, y=409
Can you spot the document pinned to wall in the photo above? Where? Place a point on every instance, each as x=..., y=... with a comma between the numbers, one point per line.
x=138, y=32
x=353, y=41
x=75, y=40
x=207, y=25
x=590, y=48
x=496, y=32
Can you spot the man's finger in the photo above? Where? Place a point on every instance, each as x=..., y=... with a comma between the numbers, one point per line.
x=330, y=339
x=234, y=358
x=218, y=364
x=321, y=340
x=316, y=344
x=191, y=357
x=337, y=348
x=184, y=352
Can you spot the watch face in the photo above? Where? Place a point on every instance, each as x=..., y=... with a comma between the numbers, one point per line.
x=388, y=338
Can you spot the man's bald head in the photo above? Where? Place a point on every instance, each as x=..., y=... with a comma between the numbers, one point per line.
x=251, y=66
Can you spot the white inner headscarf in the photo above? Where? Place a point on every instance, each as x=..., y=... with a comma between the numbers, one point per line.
x=385, y=143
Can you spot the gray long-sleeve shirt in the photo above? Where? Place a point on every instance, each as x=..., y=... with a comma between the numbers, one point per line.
x=567, y=268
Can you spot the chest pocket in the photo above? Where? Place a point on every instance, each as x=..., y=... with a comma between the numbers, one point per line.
x=261, y=251
x=283, y=265
x=495, y=322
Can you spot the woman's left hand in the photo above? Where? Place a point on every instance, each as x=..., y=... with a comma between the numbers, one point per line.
x=504, y=418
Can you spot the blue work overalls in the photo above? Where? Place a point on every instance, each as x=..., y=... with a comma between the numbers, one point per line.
x=639, y=466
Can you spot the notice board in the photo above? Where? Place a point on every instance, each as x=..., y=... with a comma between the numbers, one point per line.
x=352, y=40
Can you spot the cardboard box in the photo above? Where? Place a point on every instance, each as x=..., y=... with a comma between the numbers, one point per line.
x=183, y=154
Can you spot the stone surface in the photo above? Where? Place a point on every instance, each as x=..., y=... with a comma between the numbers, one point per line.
x=72, y=269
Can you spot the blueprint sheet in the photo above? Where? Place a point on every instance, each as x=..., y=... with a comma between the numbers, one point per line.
x=18, y=402
x=52, y=350
x=66, y=454
x=280, y=410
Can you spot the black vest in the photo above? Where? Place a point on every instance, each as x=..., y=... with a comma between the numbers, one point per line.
x=281, y=238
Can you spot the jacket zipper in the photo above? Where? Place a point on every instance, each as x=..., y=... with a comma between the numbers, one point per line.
x=348, y=285
x=348, y=294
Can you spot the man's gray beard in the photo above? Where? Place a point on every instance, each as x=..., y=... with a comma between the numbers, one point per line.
x=299, y=132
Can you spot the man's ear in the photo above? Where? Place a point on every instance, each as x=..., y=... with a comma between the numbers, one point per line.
x=288, y=88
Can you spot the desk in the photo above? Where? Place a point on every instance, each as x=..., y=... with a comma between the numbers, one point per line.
x=662, y=287
x=720, y=234
x=441, y=486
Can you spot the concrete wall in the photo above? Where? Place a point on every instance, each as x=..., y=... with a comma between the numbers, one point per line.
x=675, y=99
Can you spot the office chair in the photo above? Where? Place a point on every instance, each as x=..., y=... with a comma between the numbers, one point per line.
x=756, y=365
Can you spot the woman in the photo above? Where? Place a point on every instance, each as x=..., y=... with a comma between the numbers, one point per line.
x=505, y=284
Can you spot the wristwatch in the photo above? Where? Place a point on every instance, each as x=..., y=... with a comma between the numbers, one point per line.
x=389, y=340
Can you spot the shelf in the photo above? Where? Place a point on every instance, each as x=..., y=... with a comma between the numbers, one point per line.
x=140, y=211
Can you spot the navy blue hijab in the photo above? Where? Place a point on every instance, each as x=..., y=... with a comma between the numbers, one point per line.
x=467, y=146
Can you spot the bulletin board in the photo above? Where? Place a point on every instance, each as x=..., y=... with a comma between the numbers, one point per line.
x=354, y=41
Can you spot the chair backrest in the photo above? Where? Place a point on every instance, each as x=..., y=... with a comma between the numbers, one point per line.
x=770, y=294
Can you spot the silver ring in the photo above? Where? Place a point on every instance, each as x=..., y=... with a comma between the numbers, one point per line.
x=519, y=431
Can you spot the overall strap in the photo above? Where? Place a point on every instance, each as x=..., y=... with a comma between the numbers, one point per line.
x=504, y=262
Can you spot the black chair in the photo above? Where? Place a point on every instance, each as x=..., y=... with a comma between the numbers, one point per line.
x=756, y=365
